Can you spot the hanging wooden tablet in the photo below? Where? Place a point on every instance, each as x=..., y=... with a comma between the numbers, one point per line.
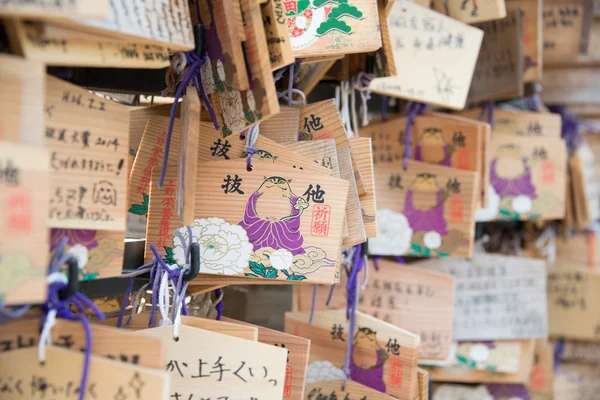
x=414, y=299
x=87, y=139
x=221, y=366
x=576, y=382
x=276, y=30
x=236, y=110
x=322, y=28
x=581, y=352
x=527, y=177
x=24, y=195
x=225, y=38
x=335, y=389
x=465, y=392
x=310, y=74
x=521, y=123
x=149, y=155
x=562, y=30
x=459, y=372
x=70, y=47
x=386, y=51
x=499, y=70
x=21, y=104
x=298, y=350
x=116, y=344
x=442, y=59
x=542, y=373
x=188, y=151
x=586, y=192
x=163, y=22
x=354, y=219
x=384, y=357
x=497, y=297
x=322, y=120
x=471, y=11
x=23, y=376
x=53, y=9
x=425, y=210
x=362, y=150
x=573, y=303
x=495, y=356
x=277, y=216
x=532, y=36
x=283, y=127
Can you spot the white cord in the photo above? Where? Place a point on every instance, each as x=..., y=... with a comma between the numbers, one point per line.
x=345, y=112
x=251, y=138
x=45, y=335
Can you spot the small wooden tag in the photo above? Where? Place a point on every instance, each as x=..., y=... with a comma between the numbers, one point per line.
x=384, y=357
x=580, y=352
x=220, y=365
x=218, y=17
x=497, y=297
x=149, y=155
x=521, y=123
x=276, y=30
x=267, y=211
x=356, y=227
x=573, y=303
x=116, y=344
x=414, y=299
x=425, y=210
x=562, y=30
x=164, y=23
x=576, y=382
x=387, y=52
x=362, y=151
x=501, y=356
x=472, y=12
x=43, y=9
x=188, y=154
x=61, y=373
x=21, y=113
x=542, y=373
x=70, y=47
x=298, y=349
x=499, y=70
x=442, y=60
x=586, y=191
x=87, y=139
x=335, y=389
x=24, y=194
x=283, y=127
x=459, y=372
x=527, y=177
x=318, y=28
x=532, y=36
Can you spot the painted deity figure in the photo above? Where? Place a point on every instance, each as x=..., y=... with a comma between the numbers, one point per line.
x=510, y=173
x=372, y=357
x=432, y=148
x=424, y=205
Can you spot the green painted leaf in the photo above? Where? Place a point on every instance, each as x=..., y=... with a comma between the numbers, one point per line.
x=251, y=275
x=271, y=273
x=504, y=212
x=462, y=359
x=249, y=116
x=319, y=3
x=259, y=116
x=219, y=85
x=534, y=216
x=295, y=277
x=257, y=268
x=333, y=24
x=426, y=252
x=443, y=254
x=416, y=248
x=516, y=217
x=345, y=10
x=286, y=273
x=146, y=200
x=226, y=131
x=90, y=276
x=300, y=8
x=138, y=209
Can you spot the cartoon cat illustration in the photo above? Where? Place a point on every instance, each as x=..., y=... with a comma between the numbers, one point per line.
x=272, y=216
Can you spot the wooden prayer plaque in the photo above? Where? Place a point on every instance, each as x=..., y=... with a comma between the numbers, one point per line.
x=362, y=151
x=310, y=74
x=576, y=382
x=410, y=298
x=70, y=47
x=60, y=375
x=542, y=373
x=21, y=104
x=562, y=21
x=221, y=366
x=320, y=28
x=276, y=30
x=497, y=297
x=272, y=222
x=336, y=390
x=532, y=36
x=24, y=194
x=521, y=123
x=499, y=70
x=298, y=350
x=573, y=306
x=527, y=176
x=54, y=9
x=425, y=210
x=87, y=139
x=162, y=22
x=471, y=11
x=283, y=127
x=384, y=357
x=580, y=352
x=442, y=61
x=188, y=151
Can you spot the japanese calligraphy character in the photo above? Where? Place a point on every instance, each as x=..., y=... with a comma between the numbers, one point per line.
x=232, y=185
x=317, y=195
x=336, y=332
x=220, y=149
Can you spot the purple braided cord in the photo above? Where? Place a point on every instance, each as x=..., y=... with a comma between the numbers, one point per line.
x=352, y=286
x=62, y=308
x=291, y=85
x=570, y=127
x=384, y=107
x=330, y=296
x=559, y=350
x=400, y=260
x=191, y=75
x=220, y=306
x=312, y=306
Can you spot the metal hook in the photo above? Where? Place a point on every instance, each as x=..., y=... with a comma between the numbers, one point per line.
x=194, y=263
x=73, y=282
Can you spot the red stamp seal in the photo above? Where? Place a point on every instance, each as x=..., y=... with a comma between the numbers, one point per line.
x=287, y=388
x=396, y=372
x=320, y=220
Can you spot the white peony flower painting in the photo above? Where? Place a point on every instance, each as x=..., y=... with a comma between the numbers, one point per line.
x=432, y=240
x=281, y=259
x=322, y=371
x=522, y=204
x=394, y=234
x=490, y=212
x=224, y=247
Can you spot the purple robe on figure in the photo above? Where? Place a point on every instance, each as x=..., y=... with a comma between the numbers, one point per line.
x=425, y=220
x=506, y=187
x=445, y=162
x=371, y=377
x=274, y=234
